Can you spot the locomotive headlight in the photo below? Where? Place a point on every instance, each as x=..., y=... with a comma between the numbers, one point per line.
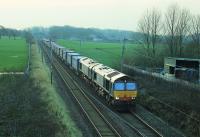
x=116, y=98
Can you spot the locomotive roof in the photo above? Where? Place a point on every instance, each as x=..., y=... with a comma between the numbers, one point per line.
x=117, y=77
x=108, y=73
x=88, y=62
x=103, y=70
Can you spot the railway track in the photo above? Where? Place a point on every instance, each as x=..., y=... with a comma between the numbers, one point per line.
x=164, y=128
x=149, y=131
x=134, y=122
x=101, y=125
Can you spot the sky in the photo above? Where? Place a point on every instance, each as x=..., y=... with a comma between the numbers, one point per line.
x=113, y=14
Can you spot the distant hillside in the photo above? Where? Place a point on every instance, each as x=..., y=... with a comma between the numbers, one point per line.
x=92, y=34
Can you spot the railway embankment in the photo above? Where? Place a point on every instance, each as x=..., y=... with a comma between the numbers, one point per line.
x=31, y=106
x=175, y=103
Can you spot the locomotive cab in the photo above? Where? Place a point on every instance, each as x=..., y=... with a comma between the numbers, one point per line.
x=124, y=90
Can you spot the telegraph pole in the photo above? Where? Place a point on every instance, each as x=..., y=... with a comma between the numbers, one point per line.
x=51, y=62
x=42, y=53
x=29, y=57
x=122, y=56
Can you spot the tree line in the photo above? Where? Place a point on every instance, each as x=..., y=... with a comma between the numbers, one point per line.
x=177, y=27
x=9, y=32
x=13, y=33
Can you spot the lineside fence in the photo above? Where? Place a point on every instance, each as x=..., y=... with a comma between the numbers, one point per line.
x=27, y=70
x=161, y=78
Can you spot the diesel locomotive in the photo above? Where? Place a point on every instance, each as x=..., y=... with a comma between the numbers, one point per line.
x=117, y=87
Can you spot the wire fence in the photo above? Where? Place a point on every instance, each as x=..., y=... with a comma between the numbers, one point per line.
x=27, y=70
x=162, y=77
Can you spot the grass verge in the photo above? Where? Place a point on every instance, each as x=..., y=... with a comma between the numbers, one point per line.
x=31, y=107
x=56, y=104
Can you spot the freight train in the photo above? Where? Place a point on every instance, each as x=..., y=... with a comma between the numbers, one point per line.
x=117, y=88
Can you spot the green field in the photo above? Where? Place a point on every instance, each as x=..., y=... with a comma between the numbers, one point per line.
x=110, y=53
x=13, y=54
x=106, y=53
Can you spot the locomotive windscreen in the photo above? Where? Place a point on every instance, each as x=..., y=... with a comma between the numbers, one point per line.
x=131, y=86
x=119, y=86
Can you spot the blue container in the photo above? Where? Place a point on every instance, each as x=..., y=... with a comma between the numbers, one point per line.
x=69, y=57
x=65, y=56
x=75, y=62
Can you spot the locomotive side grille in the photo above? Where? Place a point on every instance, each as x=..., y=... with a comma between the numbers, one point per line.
x=113, y=74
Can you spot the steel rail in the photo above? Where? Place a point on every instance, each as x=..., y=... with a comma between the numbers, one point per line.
x=102, y=126
x=146, y=124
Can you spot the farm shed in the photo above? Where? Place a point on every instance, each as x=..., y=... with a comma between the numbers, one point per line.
x=183, y=68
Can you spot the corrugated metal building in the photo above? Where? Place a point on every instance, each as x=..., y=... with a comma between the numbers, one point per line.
x=183, y=68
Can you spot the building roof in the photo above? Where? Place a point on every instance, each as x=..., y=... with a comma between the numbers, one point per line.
x=186, y=59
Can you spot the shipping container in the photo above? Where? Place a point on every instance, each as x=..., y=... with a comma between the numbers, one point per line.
x=65, y=55
x=75, y=62
x=69, y=57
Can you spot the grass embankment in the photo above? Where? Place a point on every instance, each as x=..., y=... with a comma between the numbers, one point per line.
x=13, y=54
x=179, y=106
x=31, y=107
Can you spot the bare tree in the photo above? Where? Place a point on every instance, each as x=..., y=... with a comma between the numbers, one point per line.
x=149, y=26
x=195, y=32
x=155, y=28
x=182, y=28
x=29, y=37
x=145, y=28
x=171, y=26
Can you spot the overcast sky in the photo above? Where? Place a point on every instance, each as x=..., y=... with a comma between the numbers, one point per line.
x=115, y=14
